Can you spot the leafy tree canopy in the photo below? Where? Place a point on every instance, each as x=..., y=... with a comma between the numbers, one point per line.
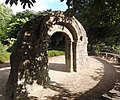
x=5, y=16
x=16, y=24
x=23, y=2
x=17, y=21
x=100, y=18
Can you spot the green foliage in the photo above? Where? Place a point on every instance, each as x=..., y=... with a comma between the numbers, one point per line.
x=117, y=49
x=103, y=48
x=99, y=17
x=17, y=22
x=5, y=16
x=57, y=41
x=10, y=42
x=101, y=21
x=23, y=2
x=4, y=56
x=52, y=53
x=15, y=26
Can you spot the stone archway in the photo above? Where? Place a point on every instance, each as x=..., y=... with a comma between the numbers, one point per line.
x=29, y=59
x=67, y=45
x=77, y=44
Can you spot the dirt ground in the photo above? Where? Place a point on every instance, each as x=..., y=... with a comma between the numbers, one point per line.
x=95, y=78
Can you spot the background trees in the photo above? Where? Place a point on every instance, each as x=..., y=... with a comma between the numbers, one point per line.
x=10, y=26
x=101, y=21
x=99, y=17
x=5, y=16
x=15, y=25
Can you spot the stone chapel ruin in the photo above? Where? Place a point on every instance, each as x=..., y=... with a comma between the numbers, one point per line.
x=29, y=59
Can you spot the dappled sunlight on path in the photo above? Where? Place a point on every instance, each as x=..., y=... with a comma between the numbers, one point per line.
x=93, y=79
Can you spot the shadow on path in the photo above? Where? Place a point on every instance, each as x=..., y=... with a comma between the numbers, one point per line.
x=64, y=94
x=58, y=67
x=106, y=83
x=4, y=65
x=4, y=73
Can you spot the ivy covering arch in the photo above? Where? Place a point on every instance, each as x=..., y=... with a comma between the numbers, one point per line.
x=29, y=59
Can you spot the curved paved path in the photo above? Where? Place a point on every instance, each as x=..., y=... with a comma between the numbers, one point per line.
x=91, y=81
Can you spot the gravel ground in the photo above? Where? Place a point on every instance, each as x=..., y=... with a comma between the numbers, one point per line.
x=91, y=81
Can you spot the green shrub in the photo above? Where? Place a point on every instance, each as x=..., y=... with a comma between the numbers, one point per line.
x=4, y=55
x=117, y=49
x=52, y=53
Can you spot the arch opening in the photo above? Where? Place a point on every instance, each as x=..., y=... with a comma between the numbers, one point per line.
x=60, y=42
x=57, y=41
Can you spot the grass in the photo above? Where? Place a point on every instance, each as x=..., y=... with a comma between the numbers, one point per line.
x=4, y=57
x=52, y=53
